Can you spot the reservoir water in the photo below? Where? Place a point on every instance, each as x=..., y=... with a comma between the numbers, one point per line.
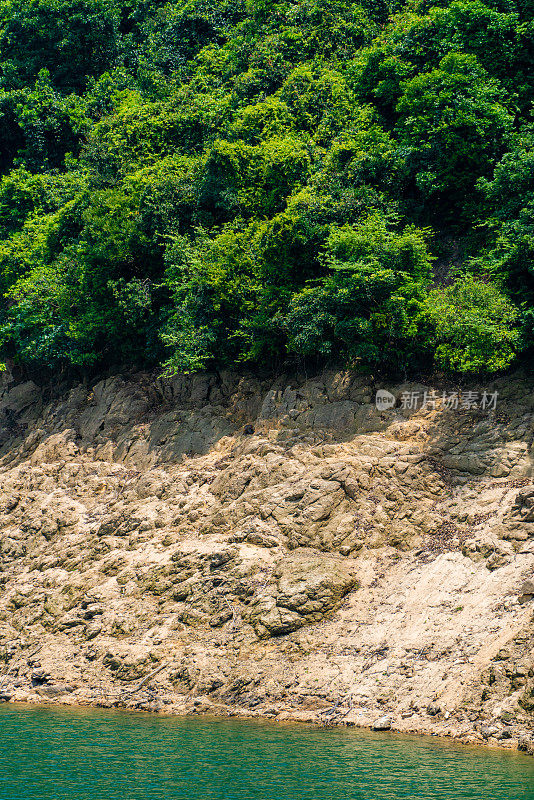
x=65, y=754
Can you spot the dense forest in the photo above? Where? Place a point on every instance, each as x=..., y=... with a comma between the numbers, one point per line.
x=213, y=183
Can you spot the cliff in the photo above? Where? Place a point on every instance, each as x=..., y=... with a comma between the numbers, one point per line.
x=272, y=547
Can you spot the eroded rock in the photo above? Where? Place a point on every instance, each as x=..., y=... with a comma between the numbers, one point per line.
x=376, y=562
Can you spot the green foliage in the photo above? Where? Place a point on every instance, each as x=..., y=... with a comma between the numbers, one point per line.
x=72, y=39
x=368, y=305
x=212, y=288
x=476, y=326
x=453, y=122
x=196, y=184
x=510, y=202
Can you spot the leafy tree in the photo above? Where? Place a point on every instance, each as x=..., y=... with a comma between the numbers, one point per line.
x=212, y=286
x=510, y=199
x=453, y=123
x=476, y=326
x=369, y=305
x=71, y=39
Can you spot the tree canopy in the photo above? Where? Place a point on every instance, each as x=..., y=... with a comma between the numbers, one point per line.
x=195, y=184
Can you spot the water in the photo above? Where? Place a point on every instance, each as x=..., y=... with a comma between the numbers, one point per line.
x=55, y=754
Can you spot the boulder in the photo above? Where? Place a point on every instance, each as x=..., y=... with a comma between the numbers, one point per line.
x=526, y=592
x=309, y=585
x=382, y=724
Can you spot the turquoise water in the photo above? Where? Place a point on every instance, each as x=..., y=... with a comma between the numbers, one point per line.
x=101, y=755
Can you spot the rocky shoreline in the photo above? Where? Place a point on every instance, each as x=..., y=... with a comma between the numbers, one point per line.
x=275, y=548
x=493, y=736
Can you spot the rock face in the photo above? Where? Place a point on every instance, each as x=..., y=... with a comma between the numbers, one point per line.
x=307, y=586
x=231, y=544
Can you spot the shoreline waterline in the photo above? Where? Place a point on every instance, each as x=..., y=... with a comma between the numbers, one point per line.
x=261, y=718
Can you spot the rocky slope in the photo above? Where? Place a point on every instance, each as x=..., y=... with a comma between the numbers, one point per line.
x=238, y=545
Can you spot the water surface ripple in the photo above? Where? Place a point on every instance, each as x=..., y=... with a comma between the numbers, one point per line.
x=65, y=754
